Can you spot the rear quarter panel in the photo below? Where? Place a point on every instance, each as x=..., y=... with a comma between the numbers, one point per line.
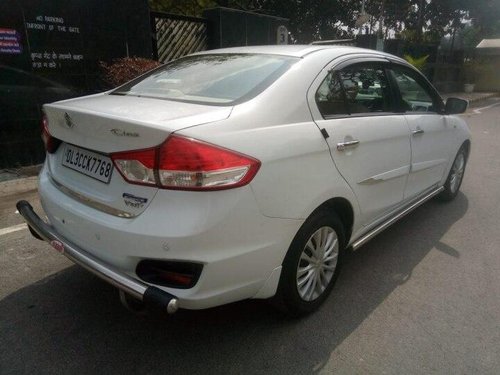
x=297, y=173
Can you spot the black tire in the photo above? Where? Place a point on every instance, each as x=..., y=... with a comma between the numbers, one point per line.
x=288, y=298
x=451, y=187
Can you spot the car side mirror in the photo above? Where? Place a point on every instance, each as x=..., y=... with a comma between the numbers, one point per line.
x=455, y=106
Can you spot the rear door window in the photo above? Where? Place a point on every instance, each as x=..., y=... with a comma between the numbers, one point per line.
x=356, y=89
x=330, y=96
x=367, y=89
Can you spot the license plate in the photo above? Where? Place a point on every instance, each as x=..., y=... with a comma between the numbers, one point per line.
x=88, y=163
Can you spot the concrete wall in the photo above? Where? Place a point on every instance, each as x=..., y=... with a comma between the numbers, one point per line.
x=488, y=78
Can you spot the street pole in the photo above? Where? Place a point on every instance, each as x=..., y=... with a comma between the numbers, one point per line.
x=420, y=20
x=360, y=31
x=380, y=38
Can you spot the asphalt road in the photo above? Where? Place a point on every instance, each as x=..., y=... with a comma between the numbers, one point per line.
x=422, y=297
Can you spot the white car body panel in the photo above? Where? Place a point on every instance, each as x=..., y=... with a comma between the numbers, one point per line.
x=240, y=235
x=459, y=133
x=431, y=151
x=283, y=137
x=377, y=169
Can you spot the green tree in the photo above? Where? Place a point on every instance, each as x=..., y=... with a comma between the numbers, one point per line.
x=416, y=20
x=314, y=19
x=485, y=15
x=196, y=7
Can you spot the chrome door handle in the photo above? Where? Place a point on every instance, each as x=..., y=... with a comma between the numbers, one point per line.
x=343, y=145
x=417, y=132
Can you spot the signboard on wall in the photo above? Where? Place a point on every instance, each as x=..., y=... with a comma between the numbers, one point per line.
x=282, y=35
x=10, y=41
x=56, y=42
x=64, y=40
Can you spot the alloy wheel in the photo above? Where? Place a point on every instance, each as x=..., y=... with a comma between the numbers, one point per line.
x=457, y=172
x=317, y=263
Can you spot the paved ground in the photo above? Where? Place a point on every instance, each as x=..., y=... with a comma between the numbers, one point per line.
x=472, y=97
x=422, y=297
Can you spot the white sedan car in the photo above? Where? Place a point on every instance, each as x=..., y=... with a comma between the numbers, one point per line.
x=244, y=172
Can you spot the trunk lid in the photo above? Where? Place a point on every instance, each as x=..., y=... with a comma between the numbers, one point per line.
x=102, y=124
x=111, y=123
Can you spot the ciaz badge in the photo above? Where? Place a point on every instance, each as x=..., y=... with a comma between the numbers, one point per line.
x=124, y=133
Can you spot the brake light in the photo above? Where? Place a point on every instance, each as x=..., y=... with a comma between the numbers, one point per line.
x=186, y=163
x=182, y=163
x=50, y=143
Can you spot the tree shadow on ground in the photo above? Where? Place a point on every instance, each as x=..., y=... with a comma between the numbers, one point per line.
x=72, y=322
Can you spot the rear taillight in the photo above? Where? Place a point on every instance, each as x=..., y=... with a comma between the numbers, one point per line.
x=51, y=144
x=186, y=164
x=137, y=167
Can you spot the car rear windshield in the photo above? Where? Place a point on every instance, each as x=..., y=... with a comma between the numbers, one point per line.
x=218, y=79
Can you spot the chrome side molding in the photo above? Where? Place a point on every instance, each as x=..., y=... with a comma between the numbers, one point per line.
x=384, y=225
x=90, y=202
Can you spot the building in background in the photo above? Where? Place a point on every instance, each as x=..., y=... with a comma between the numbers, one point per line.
x=488, y=60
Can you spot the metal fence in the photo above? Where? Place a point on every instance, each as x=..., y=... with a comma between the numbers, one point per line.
x=175, y=36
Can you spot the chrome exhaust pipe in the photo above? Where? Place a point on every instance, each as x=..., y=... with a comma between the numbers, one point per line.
x=154, y=296
x=139, y=307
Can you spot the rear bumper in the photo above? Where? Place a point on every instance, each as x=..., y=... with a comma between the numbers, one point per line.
x=240, y=249
x=150, y=295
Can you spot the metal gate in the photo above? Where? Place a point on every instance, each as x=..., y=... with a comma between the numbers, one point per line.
x=175, y=36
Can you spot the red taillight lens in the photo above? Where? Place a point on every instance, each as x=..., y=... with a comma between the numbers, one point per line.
x=51, y=144
x=187, y=164
x=137, y=167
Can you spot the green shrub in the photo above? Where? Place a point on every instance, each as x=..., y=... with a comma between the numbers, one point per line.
x=417, y=62
x=125, y=69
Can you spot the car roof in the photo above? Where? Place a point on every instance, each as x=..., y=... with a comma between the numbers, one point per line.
x=295, y=50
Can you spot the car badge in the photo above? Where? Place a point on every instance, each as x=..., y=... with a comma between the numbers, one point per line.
x=123, y=133
x=134, y=201
x=69, y=122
